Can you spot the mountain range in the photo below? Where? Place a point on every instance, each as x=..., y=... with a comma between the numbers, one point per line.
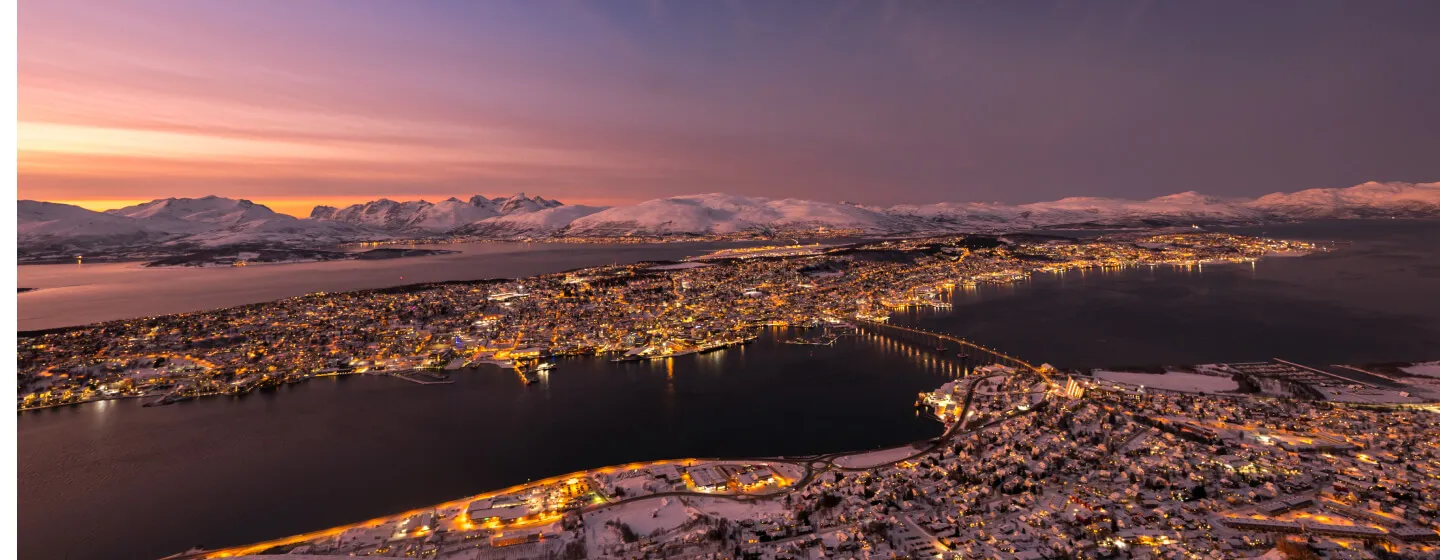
x=419, y=216
x=174, y=224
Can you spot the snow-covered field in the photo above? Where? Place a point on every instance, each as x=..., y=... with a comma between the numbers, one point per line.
x=1367, y=396
x=1427, y=369
x=1171, y=381
x=667, y=514
x=736, y=510
x=873, y=458
x=644, y=517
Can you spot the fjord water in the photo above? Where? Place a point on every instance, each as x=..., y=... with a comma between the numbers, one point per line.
x=114, y=480
x=79, y=294
x=1374, y=296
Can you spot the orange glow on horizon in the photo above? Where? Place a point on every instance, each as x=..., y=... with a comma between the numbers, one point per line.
x=301, y=207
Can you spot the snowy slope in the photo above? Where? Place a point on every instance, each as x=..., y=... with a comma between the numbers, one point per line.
x=419, y=216
x=382, y=214
x=519, y=204
x=173, y=223
x=176, y=215
x=48, y=223
x=287, y=230
x=1369, y=200
x=724, y=213
x=1186, y=206
x=212, y=221
x=528, y=224
x=449, y=214
x=960, y=215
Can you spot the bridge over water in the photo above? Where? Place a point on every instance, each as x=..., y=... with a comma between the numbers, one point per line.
x=971, y=353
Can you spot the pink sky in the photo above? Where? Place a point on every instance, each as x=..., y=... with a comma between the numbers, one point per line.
x=295, y=103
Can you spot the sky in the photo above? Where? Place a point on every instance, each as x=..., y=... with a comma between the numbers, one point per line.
x=298, y=103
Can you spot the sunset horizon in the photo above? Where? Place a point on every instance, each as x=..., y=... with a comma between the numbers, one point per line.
x=727, y=279
x=624, y=102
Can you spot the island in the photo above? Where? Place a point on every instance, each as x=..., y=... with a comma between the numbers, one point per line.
x=246, y=256
x=630, y=312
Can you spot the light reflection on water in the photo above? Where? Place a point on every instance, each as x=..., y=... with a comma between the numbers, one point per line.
x=329, y=452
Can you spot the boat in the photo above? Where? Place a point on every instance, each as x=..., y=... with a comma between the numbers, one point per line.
x=547, y=366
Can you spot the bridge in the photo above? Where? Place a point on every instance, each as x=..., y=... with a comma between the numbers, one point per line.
x=982, y=354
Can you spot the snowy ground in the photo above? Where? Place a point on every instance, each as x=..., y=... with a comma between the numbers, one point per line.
x=1171, y=381
x=787, y=470
x=645, y=517
x=736, y=510
x=873, y=458
x=1427, y=369
x=1368, y=396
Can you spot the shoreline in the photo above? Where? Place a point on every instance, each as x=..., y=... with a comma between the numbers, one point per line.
x=418, y=285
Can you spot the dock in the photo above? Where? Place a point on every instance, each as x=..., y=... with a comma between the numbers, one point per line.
x=421, y=377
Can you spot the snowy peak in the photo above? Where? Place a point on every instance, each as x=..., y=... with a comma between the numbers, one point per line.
x=1186, y=206
x=46, y=222
x=446, y=215
x=322, y=212
x=170, y=223
x=419, y=216
x=520, y=204
x=217, y=221
x=1188, y=198
x=1368, y=200
x=197, y=213
x=724, y=213
x=382, y=214
x=528, y=224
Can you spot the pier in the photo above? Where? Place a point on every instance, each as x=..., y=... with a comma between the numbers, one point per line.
x=421, y=377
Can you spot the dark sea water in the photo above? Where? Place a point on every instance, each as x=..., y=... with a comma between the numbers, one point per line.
x=1373, y=297
x=114, y=480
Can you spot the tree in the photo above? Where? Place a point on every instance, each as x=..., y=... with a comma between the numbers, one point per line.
x=627, y=534
x=1198, y=492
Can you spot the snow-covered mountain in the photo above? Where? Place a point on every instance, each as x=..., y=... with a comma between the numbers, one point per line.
x=1368, y=200
x=528, y=224
x=282, y=231
x=177, y=215
x=214, y=221
x=62, y=227
x=383, y=214
x=722, y=214
x=725, y=213
x=171, y=224
x=419, y=216
x=519, y=204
